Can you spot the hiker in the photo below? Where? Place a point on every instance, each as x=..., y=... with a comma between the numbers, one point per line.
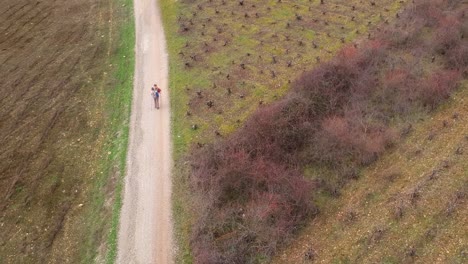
x=156, y=92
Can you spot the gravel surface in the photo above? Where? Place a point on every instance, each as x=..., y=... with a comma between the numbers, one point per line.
x=145, y=234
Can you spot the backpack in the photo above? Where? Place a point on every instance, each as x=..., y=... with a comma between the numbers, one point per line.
x=157, y=92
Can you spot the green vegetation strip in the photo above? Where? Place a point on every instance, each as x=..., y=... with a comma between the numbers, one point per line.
x=113, y=161
x=122, y=98
x=177, y=77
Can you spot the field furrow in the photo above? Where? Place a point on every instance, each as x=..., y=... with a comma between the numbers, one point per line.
x=52, y=126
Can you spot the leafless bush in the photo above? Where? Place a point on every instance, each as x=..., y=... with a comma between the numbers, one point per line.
x=438, y=87
x=250, y=203
x=448, y=35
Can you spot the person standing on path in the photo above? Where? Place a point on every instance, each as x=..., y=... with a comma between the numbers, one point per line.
x=155, y=92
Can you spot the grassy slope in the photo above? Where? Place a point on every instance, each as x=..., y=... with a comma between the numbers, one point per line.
x=251, y=41
x=408, y=207
x=61, y=208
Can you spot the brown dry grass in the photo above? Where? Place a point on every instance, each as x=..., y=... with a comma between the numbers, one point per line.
x=53, y=62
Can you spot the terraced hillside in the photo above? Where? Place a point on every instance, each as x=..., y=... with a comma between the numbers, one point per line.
x=60, y=94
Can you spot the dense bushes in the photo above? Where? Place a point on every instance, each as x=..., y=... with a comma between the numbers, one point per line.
x=250, y=191
x=253, y=198
x=254, y=204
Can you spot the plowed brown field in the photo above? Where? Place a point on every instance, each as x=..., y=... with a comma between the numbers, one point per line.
x=54, y=55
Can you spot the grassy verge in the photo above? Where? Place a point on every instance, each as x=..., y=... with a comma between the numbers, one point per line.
x=107, y=192
x=121, y=97
x=177, y=78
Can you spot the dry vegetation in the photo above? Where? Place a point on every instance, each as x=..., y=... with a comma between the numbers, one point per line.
x=230, y=57
x=56, y=78
x=251, y=192
x=409, y=207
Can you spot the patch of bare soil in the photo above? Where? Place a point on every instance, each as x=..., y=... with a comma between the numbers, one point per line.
x=52, y=54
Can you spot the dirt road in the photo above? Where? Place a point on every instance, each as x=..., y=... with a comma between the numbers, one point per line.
x=145, y=234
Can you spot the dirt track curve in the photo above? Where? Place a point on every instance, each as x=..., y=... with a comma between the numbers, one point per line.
x=145, y=233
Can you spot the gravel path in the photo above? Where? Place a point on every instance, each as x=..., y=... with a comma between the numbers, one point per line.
x=145, y=234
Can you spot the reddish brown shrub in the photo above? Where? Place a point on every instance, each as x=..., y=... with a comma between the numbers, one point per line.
x=249, y=203
x=451, y=41
x=349, y=52
x=397, y=94
x=278, y=131
x=327, y=147
x=430, y=12
x=438, y=87
x=448, y=35
x=349, y=138
x=457, y=58
x=328, y=86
